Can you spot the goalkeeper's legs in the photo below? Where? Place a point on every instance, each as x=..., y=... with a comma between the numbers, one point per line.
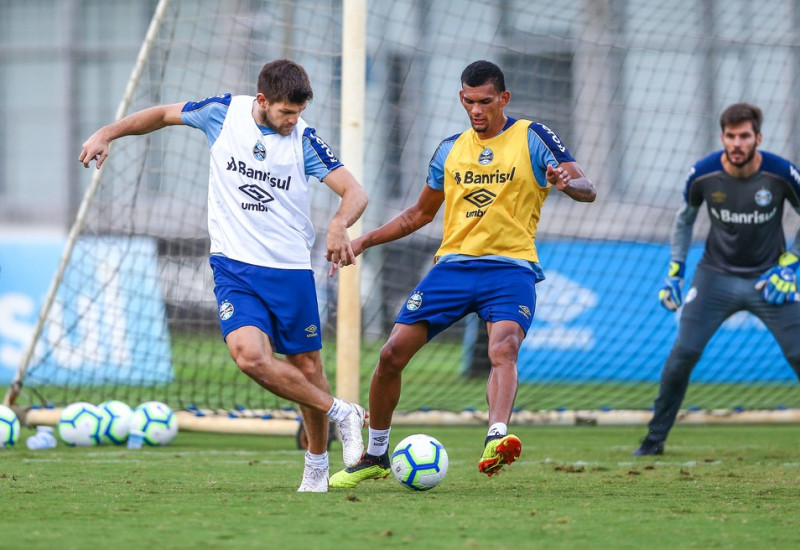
x=784, y=323
x=671, y=391
x=711, y=300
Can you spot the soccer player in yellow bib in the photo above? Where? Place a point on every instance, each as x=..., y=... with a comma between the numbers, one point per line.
x=493, y=179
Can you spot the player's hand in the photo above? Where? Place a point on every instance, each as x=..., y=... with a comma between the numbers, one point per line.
x=357, y=246
x=339, y=248
x=94, y=149
x=778, y=285
x=558, y=177
x=670, y=294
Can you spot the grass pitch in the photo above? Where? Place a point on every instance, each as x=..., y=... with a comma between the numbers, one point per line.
x=573, y=488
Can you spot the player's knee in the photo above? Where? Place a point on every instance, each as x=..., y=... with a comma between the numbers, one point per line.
x=392, y=359
x=253, y=365
x=504, y=351
x=681, y=361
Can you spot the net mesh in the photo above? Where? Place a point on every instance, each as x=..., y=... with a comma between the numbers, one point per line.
x=633, y=89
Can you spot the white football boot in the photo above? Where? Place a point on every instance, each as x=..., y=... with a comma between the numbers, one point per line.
x=315, y=480
x=350, y=434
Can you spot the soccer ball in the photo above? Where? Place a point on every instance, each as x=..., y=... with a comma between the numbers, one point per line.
x=115, y=423
x=9, y=427
x=156, y=421
x=79, y=424
x=419, y=462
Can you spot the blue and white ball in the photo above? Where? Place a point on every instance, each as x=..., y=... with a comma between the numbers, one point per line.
x=79, y=424
x=116, y=422
x=9, y=427
x=156, y=422
x=419, y=462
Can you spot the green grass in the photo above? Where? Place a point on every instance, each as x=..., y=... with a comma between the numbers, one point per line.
x=573, y=488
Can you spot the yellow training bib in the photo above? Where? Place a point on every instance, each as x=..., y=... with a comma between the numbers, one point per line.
x=492, y=199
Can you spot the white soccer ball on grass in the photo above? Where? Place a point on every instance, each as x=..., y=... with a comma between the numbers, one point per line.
x=79, y=424
x=155, y=421
x=419, y=462
x=9, y=427
x=116, y=422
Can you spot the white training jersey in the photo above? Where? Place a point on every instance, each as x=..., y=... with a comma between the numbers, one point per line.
x=258, y=196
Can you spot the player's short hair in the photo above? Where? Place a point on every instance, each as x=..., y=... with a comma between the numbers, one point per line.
x=284, y=80
x=482, y=72
x=739, y=113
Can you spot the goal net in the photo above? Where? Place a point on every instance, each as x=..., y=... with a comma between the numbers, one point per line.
x=633, y=88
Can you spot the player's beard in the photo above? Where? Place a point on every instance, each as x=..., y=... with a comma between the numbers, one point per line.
x=282, y=130
x=744, y=161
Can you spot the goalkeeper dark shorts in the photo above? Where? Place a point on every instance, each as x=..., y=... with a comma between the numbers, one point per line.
x=280, y=302
x=495, y=290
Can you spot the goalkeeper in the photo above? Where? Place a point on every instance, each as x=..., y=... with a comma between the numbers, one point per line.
x=745, y=265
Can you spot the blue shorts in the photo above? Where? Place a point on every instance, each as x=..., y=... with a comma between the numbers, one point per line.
x=496, y=291
x=280, y=302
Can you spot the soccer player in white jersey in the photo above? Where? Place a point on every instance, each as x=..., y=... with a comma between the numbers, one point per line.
x=259, y=223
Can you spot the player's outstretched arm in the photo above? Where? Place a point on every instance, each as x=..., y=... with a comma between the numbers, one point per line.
x=406, y=222
x=569, y=178
x=142, y=122
x=354, y=200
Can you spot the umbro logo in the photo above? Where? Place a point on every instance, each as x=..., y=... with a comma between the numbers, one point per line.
x=480, y=198
x=257, y=193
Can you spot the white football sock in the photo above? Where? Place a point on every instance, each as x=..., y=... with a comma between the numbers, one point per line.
x=498, y=428
x=317, y=461
x=339, y=410
x=378, y=442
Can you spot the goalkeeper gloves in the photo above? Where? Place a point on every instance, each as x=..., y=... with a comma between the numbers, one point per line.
x=670, y=294
x=779, y=284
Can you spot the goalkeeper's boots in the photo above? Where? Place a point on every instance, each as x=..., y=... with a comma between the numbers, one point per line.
x=350, y=434
x=315, y=480
x=649, y=447
x=369, y=467
x=499, y=452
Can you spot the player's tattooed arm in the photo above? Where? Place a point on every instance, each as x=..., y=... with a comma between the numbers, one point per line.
x=405, y=223
x=569, y=178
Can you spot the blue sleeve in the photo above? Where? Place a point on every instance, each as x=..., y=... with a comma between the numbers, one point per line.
x=207, y=115
x=785, y=170
x=687, y=187
x=318, y=157
x=435, y=179
x=707, y=165
x=546, y=148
